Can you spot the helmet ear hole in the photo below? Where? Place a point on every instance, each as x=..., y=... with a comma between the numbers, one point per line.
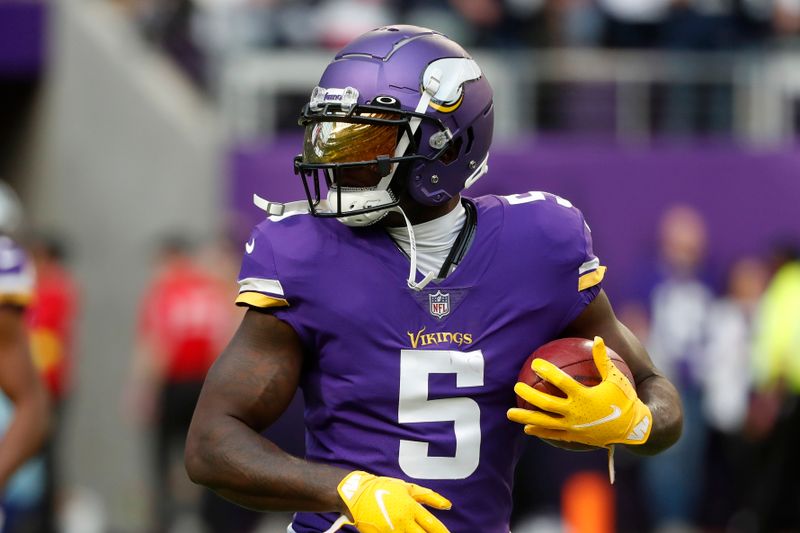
x=451, y=154
x=470, y=140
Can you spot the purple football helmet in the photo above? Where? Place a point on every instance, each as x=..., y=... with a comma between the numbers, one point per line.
x=401, y=108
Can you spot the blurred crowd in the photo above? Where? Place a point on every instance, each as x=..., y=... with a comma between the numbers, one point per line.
x=194, y=31
x=205, y=37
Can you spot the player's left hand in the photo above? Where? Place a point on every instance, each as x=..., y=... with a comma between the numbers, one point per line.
x=608, y=413
x=380, y=504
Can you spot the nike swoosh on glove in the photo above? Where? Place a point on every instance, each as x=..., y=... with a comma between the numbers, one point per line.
x=608, y=413
x=386, y=504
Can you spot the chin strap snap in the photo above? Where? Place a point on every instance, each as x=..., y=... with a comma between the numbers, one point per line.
x=412, y=273
x=279, y=209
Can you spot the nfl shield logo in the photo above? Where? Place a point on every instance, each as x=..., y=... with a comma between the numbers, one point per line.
x=439, y=304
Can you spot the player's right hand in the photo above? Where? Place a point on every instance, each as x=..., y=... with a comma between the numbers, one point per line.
x=386, y=504
x=583, y=416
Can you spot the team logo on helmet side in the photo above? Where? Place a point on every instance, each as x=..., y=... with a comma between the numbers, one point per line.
x=449, y=75
x=439, y=304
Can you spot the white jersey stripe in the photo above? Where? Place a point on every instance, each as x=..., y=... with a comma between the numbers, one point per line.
x=589, y=265
x=270, y=286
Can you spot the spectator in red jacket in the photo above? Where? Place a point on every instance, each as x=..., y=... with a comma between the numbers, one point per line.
x=185, y=319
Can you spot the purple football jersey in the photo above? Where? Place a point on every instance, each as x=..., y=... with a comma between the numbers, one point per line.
x=415, y=385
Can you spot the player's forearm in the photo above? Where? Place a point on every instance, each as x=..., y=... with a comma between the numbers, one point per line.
x=25, y=435
x=242, y=466
x=664, y=403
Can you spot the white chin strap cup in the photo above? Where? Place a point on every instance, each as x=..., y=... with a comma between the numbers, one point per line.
x=358, y=200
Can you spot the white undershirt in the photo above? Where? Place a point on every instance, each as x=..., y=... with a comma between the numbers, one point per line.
x=434, y=239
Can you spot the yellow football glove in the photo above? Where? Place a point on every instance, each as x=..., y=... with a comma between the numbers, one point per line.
x=387, y=504
x=608, y=413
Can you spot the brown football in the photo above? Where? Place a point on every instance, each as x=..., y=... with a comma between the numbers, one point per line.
x=573, y=356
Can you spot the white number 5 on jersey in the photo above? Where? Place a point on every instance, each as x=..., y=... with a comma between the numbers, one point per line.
x=414, y=406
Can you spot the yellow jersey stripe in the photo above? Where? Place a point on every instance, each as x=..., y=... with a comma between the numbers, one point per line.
x=590, y=279
x=256, y=299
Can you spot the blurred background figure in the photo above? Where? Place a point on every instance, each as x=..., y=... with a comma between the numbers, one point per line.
x=53, y=314
x=52, y=319
x=24, y=409
x=185, y=320
x=730, y=341
x=730, y=457
x=775, y=416
x=786, y=18
x=679, y=303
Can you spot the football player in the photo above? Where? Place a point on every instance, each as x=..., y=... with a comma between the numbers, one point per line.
x=404, y=311
x=19, y=380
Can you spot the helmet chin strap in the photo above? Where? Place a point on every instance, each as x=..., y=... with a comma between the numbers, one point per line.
x=429, y=89
x=412, y=273
x=371, y=218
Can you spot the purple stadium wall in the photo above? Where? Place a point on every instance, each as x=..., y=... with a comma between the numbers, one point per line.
x=22, y=37
x=748, y=199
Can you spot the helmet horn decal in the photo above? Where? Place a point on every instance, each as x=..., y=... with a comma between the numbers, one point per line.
x=454, y=71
